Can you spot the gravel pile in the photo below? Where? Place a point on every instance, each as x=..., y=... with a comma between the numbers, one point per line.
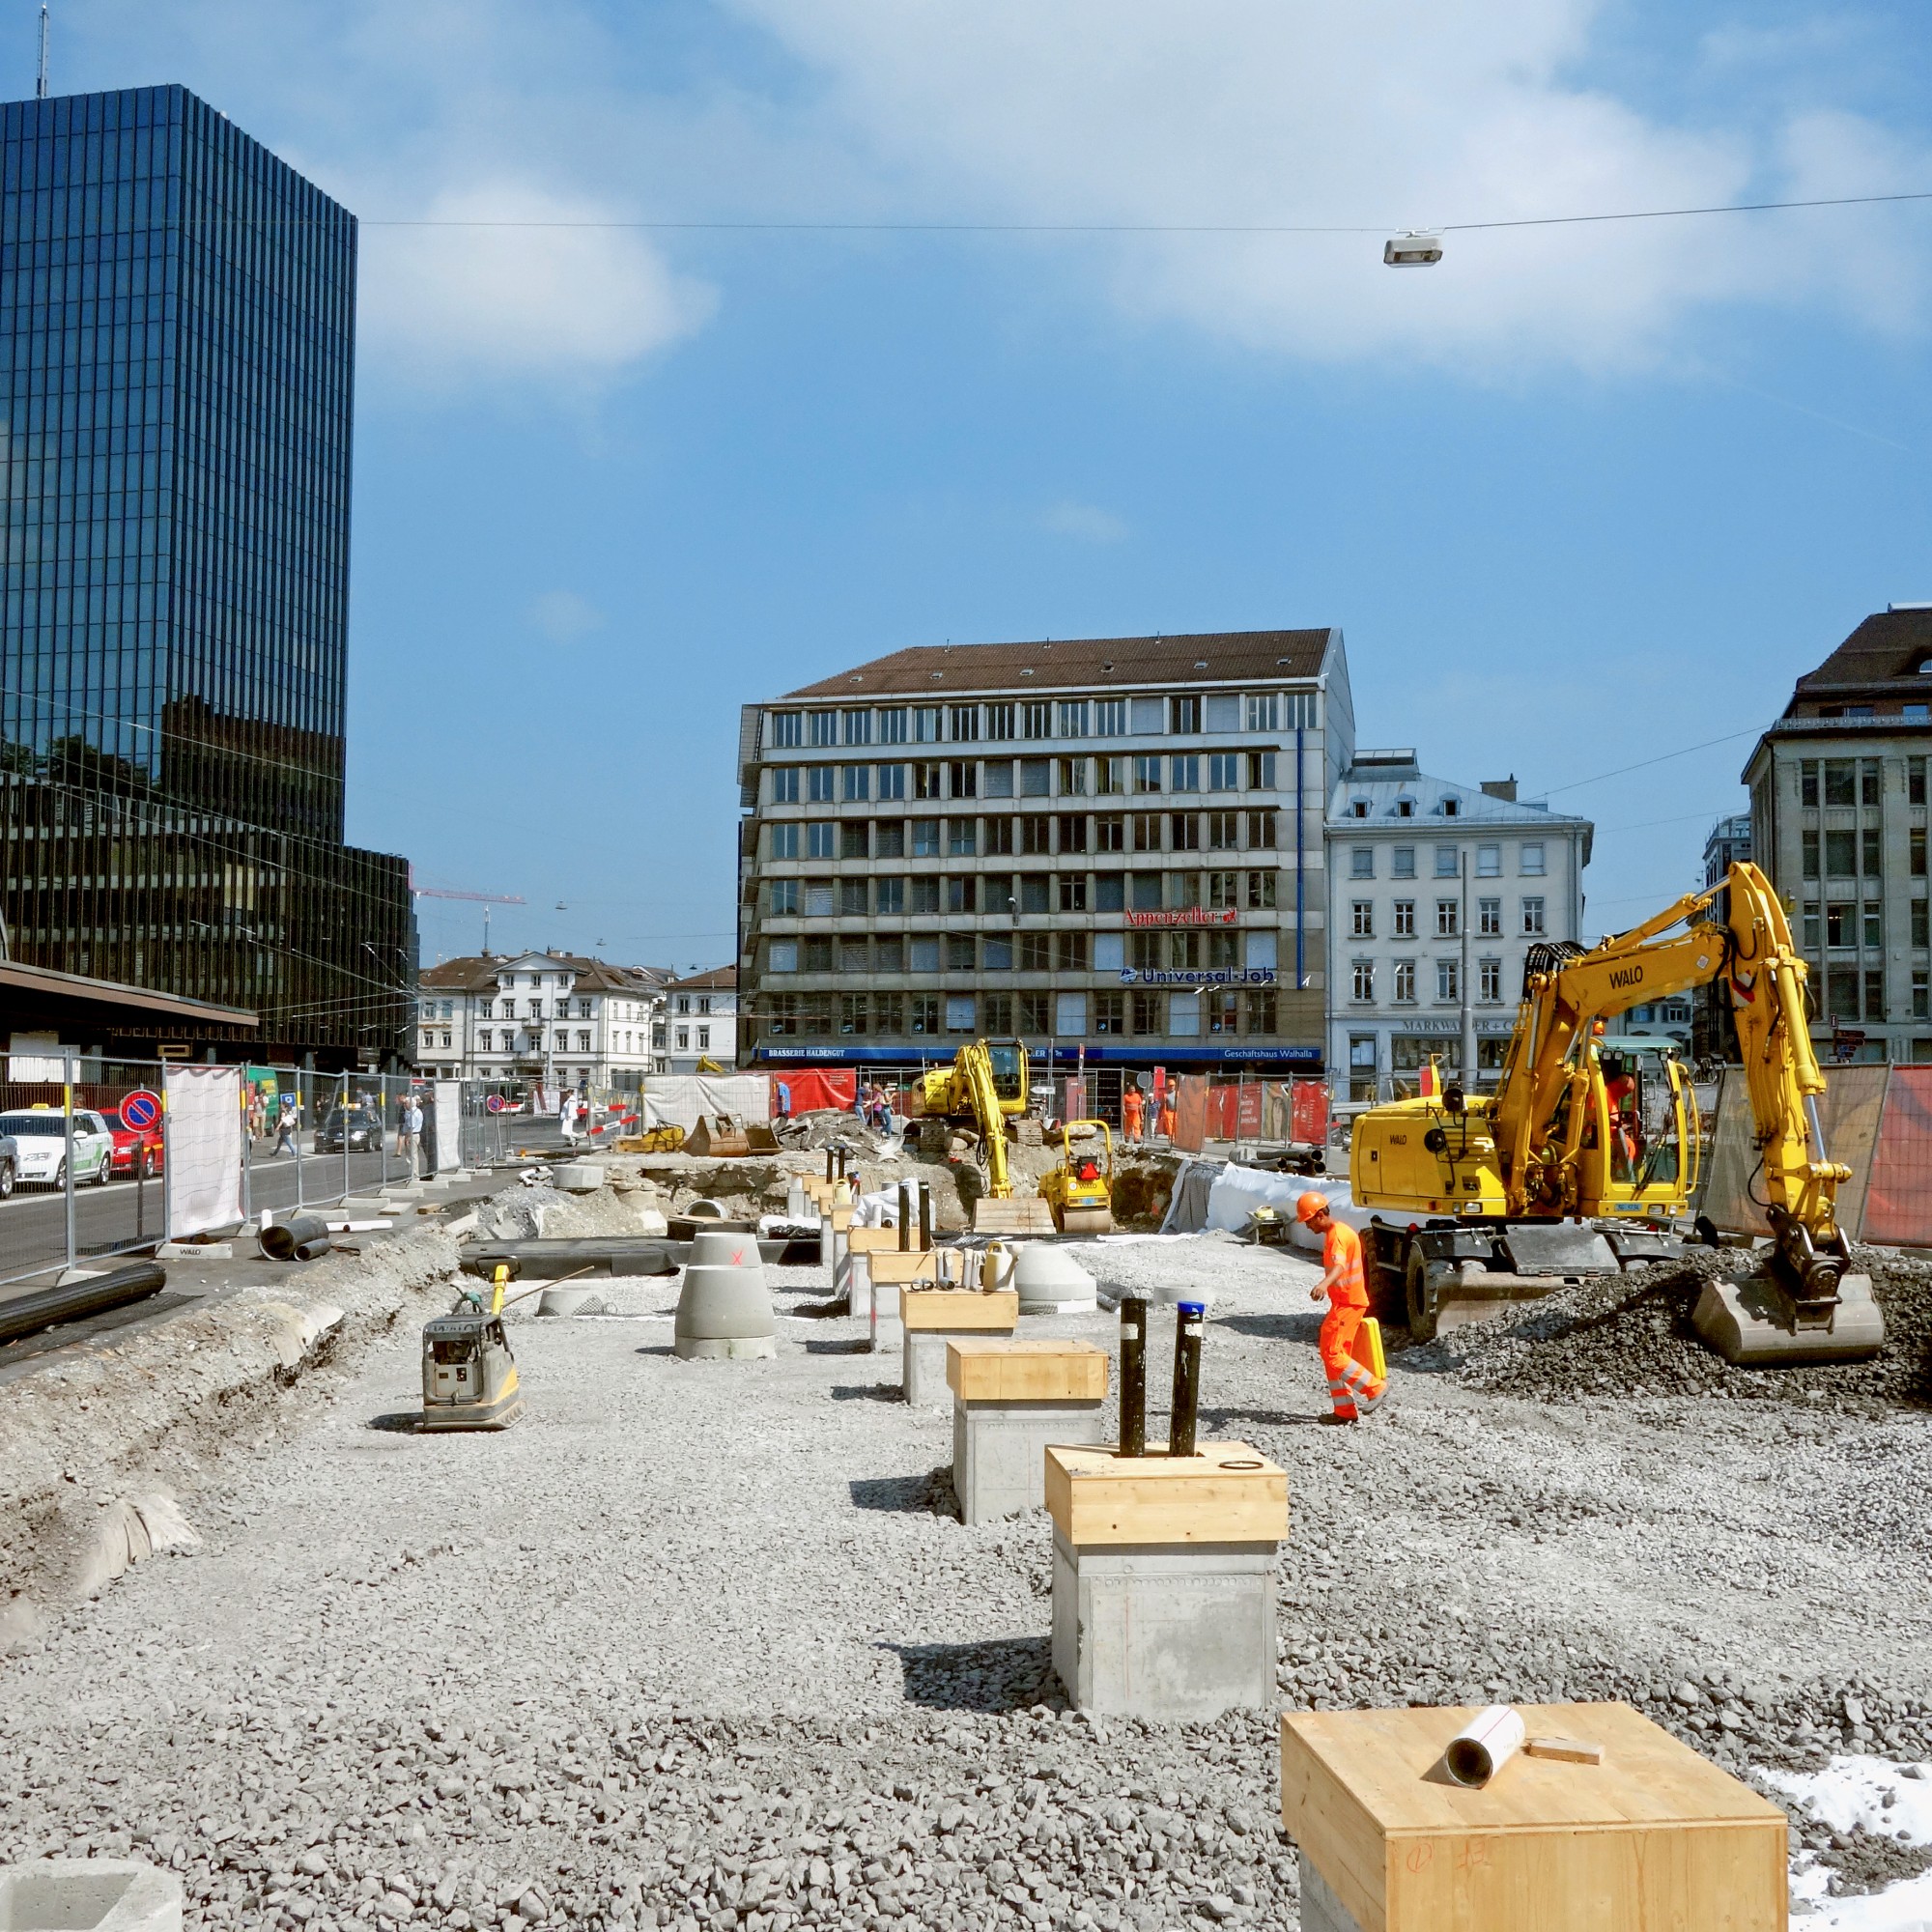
x=1631, y=1336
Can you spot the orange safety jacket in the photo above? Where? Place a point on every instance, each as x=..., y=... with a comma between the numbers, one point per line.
x=1344, y=1246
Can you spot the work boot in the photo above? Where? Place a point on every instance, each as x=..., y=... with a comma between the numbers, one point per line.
x=1372, y=1405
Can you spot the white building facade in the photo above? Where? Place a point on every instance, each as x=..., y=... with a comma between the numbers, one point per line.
x=539, y=1019
x=1438, y=892
x=699, y=1021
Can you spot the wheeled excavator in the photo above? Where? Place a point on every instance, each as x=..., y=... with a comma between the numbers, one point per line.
x=985, y=1085
x=1557, y=1176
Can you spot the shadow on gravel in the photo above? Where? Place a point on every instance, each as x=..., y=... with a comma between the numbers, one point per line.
x=657, y=1349
x=929, y=1494
x=1268, y=1418
x=1273, y=1327
x=867, y=1392
x=398, y=1422
x=1007, y=1673
x=860, y=1347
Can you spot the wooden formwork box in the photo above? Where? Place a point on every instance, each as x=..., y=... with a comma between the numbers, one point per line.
x=952, y=1311
x=892, y=1268
x=1655, y=1838
x=1000, y=1369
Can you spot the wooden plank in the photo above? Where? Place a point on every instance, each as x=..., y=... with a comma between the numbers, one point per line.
x=1227, y=1493
x=953, y=1309
x=874, y=1241
x=840, y=1219
x=1029, y=1371
x=1654, y=1835
x=1032, y=1216
x=902, y=1270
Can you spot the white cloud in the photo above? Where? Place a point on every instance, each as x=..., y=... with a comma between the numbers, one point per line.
x=1085, y=521
x=563, y=616
x=1393, y=112
x=533, y=285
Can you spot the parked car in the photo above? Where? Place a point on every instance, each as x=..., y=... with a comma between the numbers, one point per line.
x=361, y=1121
x=9, y=1163
x=40, y=1134
x=133, y=1142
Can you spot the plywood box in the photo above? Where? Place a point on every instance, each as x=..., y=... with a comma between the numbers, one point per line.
x=1227, y=1493
x=956, y=1310
x=1656, y=1838
x=891, y=1267
x=1029, y=1371
x=874, y=1240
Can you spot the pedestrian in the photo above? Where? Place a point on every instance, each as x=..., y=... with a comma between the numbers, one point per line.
x=566, y=1116
x=781, y=1101
x=411, y=1123
x=1131, y=1106
x=1164, y=1121
x=256, y=1111
x=1352, y=1391
x=287, y=1123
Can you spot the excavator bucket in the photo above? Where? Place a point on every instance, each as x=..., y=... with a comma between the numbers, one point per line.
x=1748, y=1322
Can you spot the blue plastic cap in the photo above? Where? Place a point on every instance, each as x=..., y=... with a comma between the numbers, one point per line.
x=1190, y=1308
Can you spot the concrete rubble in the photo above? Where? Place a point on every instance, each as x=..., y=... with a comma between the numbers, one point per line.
x=704, y=1644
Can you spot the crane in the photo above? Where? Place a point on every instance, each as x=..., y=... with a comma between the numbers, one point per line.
x=485, y=900
x=1565, y=1171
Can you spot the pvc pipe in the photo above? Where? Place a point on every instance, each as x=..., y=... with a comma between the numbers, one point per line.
x=1484, y=1745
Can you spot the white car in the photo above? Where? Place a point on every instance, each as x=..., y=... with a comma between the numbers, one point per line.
x=39, y=1133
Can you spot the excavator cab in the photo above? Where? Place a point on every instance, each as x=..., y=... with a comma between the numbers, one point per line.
x=1650, y=1124
x=1008, y=1059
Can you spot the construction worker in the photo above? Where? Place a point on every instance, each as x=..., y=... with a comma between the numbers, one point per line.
x=1164, y=1120
x=1353, y=1392
x=1130, y=1115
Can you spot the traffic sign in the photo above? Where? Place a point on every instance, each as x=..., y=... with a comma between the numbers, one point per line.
x=496, y=1104
x=141, y=1110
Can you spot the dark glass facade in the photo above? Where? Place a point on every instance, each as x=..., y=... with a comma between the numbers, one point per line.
x=176, y=361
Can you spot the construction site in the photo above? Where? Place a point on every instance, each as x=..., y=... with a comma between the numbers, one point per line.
x=652, y=1538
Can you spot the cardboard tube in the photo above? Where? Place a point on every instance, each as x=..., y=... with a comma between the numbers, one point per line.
x=1484, y=1745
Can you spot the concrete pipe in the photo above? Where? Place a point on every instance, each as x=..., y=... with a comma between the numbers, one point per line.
x=724, y=1312
x=1484, y=1745
x=727, y=1249
x=287, y=1240
x=1051, y=1282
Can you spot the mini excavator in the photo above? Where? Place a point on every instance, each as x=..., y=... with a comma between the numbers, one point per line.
x=1503, y=1197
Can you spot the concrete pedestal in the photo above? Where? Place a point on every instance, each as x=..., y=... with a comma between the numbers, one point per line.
x=104, y=1895
x=887, y=1330
x=1174, y=1634
x=1321, y=1910
x=1163, y=1580
x=859, y=1287
x=923, y=1375
x=999, y=1452
x=931, y=1318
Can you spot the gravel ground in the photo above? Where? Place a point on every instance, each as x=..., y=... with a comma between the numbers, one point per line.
x=698, y=1646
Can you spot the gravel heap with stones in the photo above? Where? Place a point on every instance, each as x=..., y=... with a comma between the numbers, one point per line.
x=1631, y=1336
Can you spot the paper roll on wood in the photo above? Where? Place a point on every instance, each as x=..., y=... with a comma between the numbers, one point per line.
x=1484, y=1745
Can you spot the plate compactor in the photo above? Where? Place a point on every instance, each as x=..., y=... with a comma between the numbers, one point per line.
x=469, y=1376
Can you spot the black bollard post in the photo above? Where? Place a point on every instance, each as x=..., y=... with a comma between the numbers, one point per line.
x=1191, y=1317
x=924, y=1218
x=1133, y=1375
x=905, y=1217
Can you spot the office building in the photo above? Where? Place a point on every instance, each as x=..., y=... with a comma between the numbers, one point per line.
x=1109, y=847
x=1439, y=891
x=1838, y=821
x=1713, y=1034
x=177, y=324
x=541, y=1019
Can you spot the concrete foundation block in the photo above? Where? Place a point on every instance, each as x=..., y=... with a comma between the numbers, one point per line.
x=922, y=1359
x=578, y=1177
x=859, y=1288
x=1177, y=1633
x=195, y=1251
x=99, y=1894
x=888, y=1332
x=404, y=1190
x=362, y=1206
x=1321, y=1910
x=999, y=1452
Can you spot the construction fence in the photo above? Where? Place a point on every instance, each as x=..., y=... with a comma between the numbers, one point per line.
x=1877, y=1120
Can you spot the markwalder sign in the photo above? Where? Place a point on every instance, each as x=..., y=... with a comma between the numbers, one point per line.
x=1189, y=916
x=1228, y=976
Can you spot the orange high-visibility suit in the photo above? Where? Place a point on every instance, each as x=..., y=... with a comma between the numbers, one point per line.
x=1131, y=1114
x=1348, y=1304
x=1165, y=1124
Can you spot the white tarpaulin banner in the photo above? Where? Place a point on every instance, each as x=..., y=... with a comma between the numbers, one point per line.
x=448, y=1105
x=676, y=1099
x=1236, y=1192
x=204, y=1149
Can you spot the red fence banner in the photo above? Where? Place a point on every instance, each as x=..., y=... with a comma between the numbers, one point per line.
x=1307, y=1113
x=1248, y=1116
x=1898, y=1196
x=812, y=1089
x=1190, y=1123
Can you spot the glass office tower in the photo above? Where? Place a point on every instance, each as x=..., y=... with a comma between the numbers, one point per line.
x=176, y=359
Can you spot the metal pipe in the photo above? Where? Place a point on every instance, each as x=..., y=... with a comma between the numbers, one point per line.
x=1133, y=1375
x=905, y=1217
x=67, y=1162
x=1190, y=1318
x=924, y=1218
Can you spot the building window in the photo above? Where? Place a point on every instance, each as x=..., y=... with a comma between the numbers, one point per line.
x=1452, y=808
x=962, y=838
x=821, y=839
x=786, y=729
x=1037, y=718
x=1073, y=717
x=1036, y=778
x=1110, y=776
x=853, y=838
x=1530, y=860
x=1914, y=781
x=1110, y=1013
x=893, y=726
x=1489, y=918
x=1073, y=777
x=1921, y=996
x=1260, y=771
x=1072, y=832
x=997, y=1009
x=1363, y=914
x=1262, y=831
x=1874, y=924
x=1448, y=980
x=1224, y=831
x=783, y=841
x=854, y=783
x=1110, y=718
x=684, y=1039
x=1147, y=774
x=926, y=723
x=1261, y=887
x=1223, y=891
x=1446, y=918
x=1183, y=830
x=1073, y=892
x=785, y=785
x=1223, y=1009
x=1921, y=926
x=963, y=778
x=703, y=1039
x=1917, y=851
x=858, y=727
x=1404, y=808
x=1404, y=919
x=1404, y=982
x=1402, y=864
x=1073, y=950
x=1488, y=862
x=1842, y=860
x=1365, y=979
x=1000, y=722
x=1261, y=1011
x=1036, y=1012
x=1532, y=918
x=963, y=724
x=1147, y=1017
x=1183, y=716
x=925, y=838
x=1490, y=982
x=1224, y=771
x=924, y=1010
x=822, y=728
x=1874, y=993
x=1446, y=858
x=1358, y=807
x=1110, y=833
x=1361, y=862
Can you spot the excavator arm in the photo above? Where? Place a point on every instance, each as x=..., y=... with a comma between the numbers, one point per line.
x=1567, y=990
x=975, y=1065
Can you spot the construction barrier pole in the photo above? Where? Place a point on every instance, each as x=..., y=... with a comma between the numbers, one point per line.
x=66, y=1164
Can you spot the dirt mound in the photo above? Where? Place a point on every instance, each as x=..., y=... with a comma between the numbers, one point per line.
x=1631, y=1336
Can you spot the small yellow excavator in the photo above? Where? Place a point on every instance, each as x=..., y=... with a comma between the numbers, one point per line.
x=1564, y=1172
x=985, y=1085
x=1080, y=1191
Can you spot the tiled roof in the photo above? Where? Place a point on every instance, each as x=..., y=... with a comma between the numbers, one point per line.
x=477, y=972
x=1886, y=650
x=720, y=979
x=1096, y=664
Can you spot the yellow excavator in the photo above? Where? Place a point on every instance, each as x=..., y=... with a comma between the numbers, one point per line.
x=1570, y=1169
x=986, y=1085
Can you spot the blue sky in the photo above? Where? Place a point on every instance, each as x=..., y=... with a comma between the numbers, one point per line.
x=1577, y=497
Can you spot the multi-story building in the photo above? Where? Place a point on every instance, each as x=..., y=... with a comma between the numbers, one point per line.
x=546, y=1019
x=177, y=364
x=1838, y=820
x=699, y=1019
x=1439, y=889
x=1713, y=1034
x=1109, y=847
